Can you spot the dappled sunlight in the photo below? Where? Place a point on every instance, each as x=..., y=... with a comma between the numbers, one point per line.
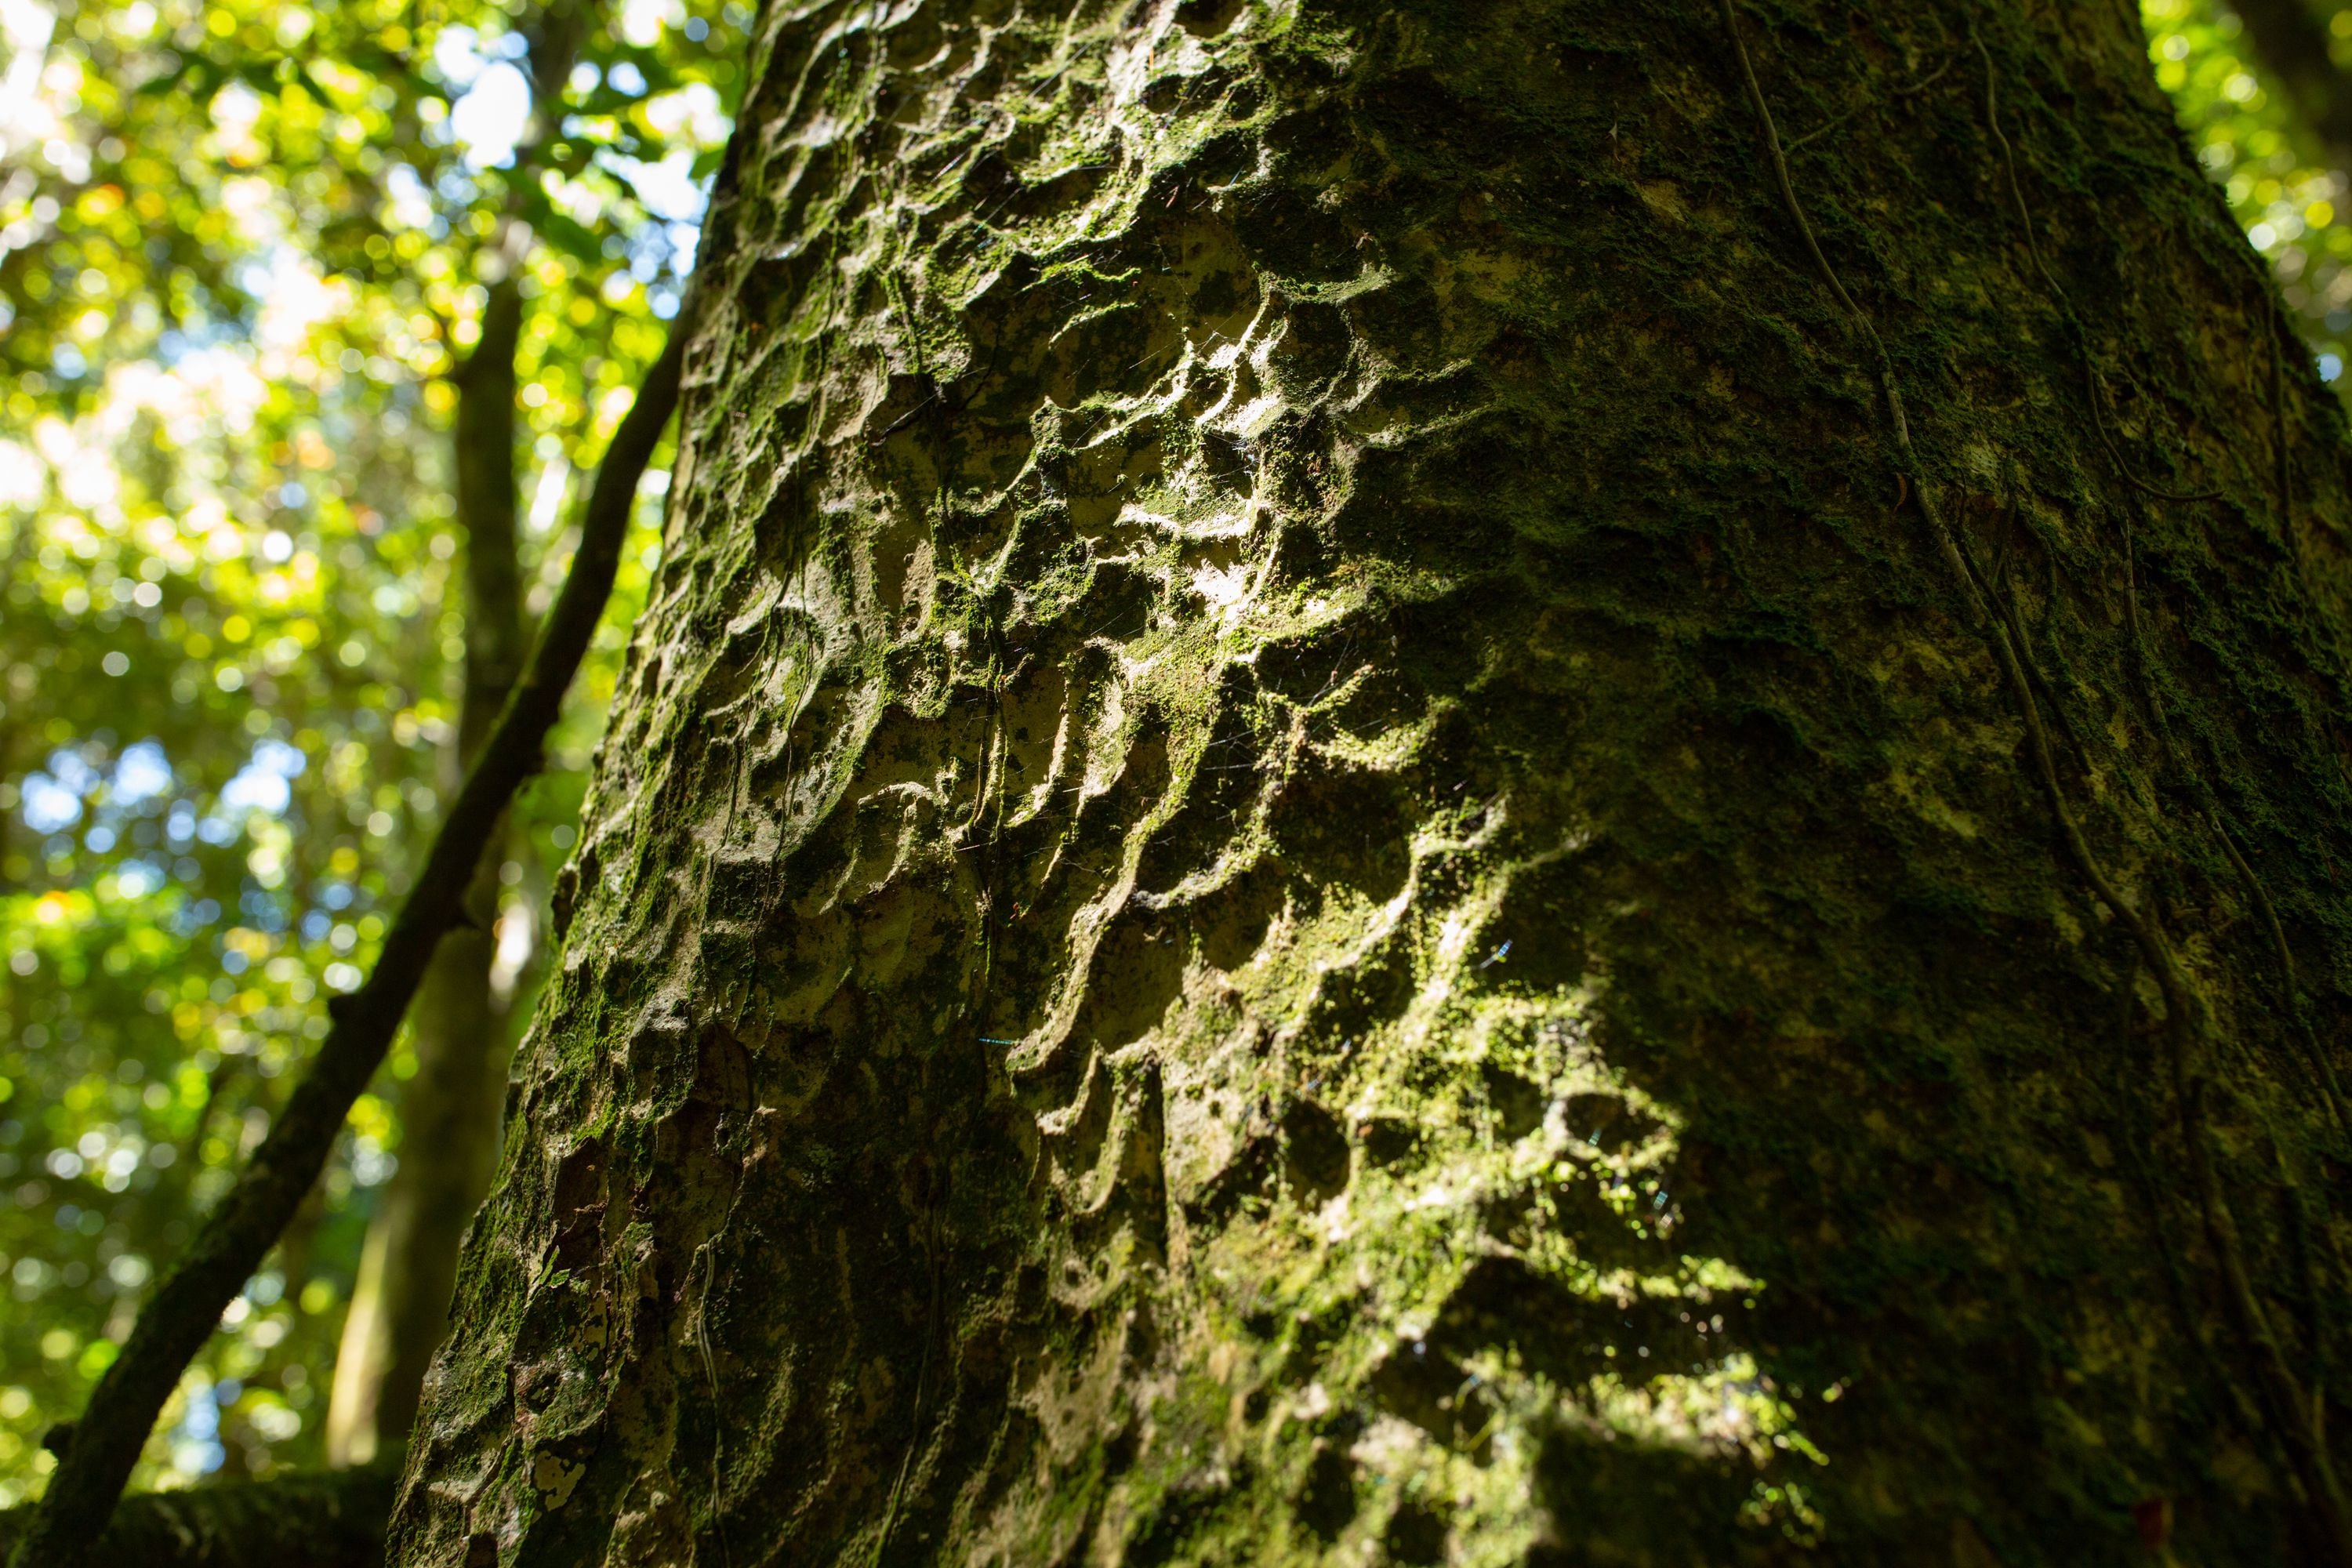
x=2282, y=184
x=233, y=630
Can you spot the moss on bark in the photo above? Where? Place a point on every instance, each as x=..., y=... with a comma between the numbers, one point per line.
x=1310, y=858
x=332, y=1521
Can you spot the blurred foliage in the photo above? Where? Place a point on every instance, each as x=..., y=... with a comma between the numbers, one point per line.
x=2293, y=207
x=242, y=245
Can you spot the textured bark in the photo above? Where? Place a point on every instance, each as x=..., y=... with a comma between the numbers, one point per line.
x=449, y=1108
x=1375, y=809
x=300, y=1521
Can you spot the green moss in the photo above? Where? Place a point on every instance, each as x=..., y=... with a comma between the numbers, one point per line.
x=1306, y=861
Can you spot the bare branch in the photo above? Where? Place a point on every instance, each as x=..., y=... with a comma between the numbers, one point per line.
x=184, y=1312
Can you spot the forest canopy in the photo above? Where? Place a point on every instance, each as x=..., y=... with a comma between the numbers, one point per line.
x=247, y=252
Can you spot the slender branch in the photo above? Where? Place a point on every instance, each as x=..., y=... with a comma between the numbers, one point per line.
x=105, y=1443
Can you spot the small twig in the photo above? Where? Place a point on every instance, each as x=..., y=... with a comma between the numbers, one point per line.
x=2115, y=452
x=901, y=422
x=1922, y=85
x=183, y=1313
x=2299, y=1229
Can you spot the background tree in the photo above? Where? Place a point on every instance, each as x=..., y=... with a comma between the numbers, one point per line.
x=451, y=1106
x=2296, y=43
x=245, y=253
x=2261, y=93
x=1391, y=795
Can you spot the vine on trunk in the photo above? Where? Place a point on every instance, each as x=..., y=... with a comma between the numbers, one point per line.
x=2293, y=1416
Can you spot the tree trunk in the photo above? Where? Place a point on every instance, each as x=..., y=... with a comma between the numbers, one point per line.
x=1380, y=807
x=449, y=1109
